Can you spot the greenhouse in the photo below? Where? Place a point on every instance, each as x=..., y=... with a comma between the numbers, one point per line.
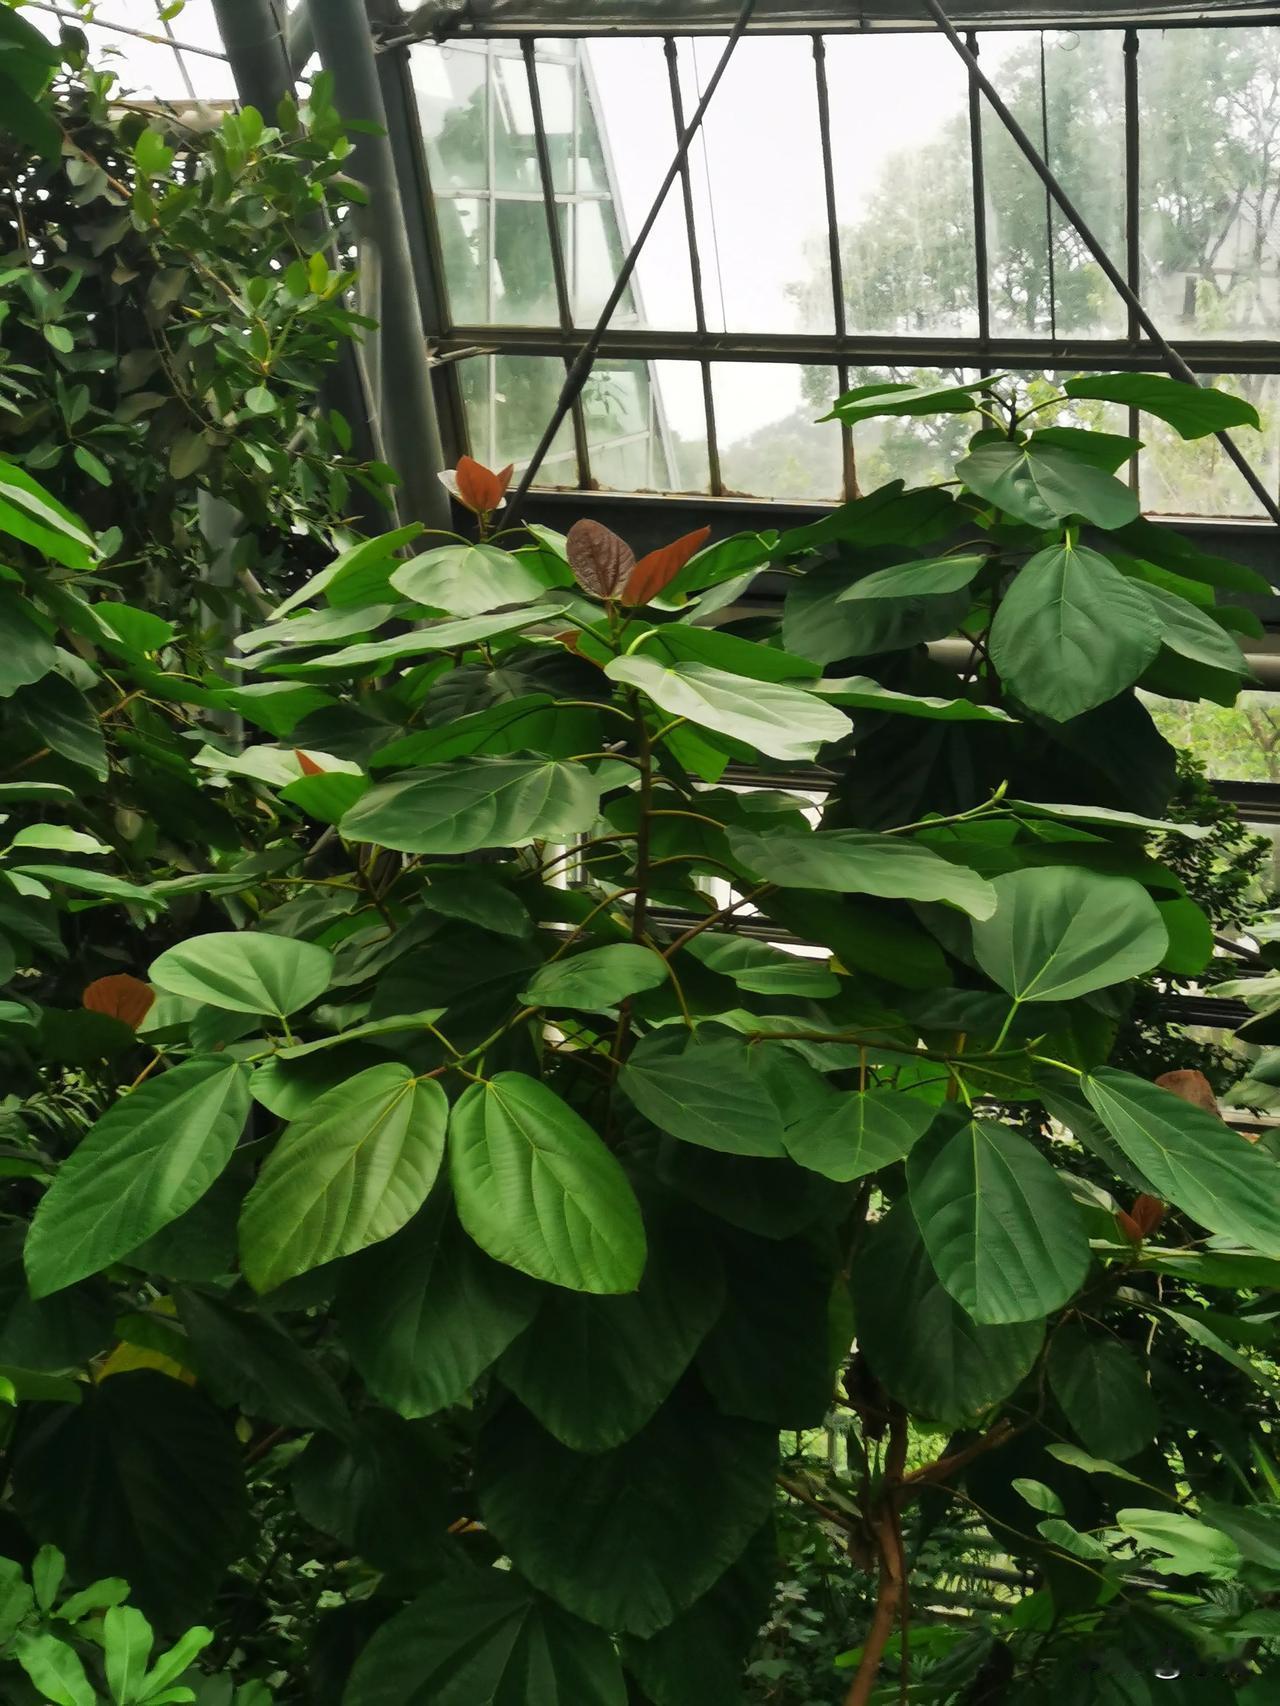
x=639, y=853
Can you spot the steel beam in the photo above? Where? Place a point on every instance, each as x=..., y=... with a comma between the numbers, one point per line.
x=396, y=354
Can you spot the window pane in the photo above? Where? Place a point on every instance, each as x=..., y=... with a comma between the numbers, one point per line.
x=475, y=379
x=1084, y=78
x=1194, y=477
x=759, y=202
x=920, y=449
x=1211, y=180
x=1235, y=743
x=771, y=445
x=626, y=97
x=681, y=420
x=556, y=86
x=451, y=86
x=515, y=156
x=524, y=284
x=464, y=243
x=904, y=186
x=597, y=258
x=525, y=389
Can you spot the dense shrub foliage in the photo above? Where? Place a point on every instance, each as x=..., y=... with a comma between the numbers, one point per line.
x=435, y=1181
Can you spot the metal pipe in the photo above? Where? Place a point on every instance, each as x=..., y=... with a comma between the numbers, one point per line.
x=714, y=477
x=1170, y=356
x=400, y=373
x=848, y=466
x=1085, y=354
x=252, y=32
x=559, y=273
x=577, y=374
x=978, y=165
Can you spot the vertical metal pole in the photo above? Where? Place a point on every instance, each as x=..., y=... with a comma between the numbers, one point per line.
x=422, y=225
x=848, y=466
x=564, y=303
x=1048, y=198
x=715, y=478
x=1132, y=208
x=1175, y=363
x=389, y=289
x=253, y=34
x=979, y=207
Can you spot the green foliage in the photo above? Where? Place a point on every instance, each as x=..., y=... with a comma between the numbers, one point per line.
x=416, y=1175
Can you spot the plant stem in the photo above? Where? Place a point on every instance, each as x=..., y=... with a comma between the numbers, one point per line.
x=891, y=1595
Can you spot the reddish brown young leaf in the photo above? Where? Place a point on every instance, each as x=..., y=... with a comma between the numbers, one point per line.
x=653, y=572
x=1147, y=1213
x=308, y=765
x=1191, y=1086
x=479, y=487
x=601, y=562
x=120, y=997
x=1129, y=1226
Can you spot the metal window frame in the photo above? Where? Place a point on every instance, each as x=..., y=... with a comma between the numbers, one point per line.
x=841, y=349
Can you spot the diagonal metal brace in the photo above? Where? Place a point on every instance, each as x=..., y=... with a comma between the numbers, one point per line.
x=1172, y=360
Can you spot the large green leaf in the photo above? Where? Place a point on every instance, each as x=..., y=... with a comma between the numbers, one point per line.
x=1002, y=1231
x=850, y=861
x=381, y=1490
x=1100, y=1386
x=467, y=580
x=424, y=1314
x=926, y=1351
x=152, y=1155
x=819, y=623
x=373, y=656
x=762, y=969
x=460, y=808
x=1072, y=632
x=355, y=575
x=30, y=513
x=909, y=580
x=26, y=650
x=593, y=1370
x=1193, y=411
x=1043, y=487
x=699, y=1658
x=486, y=1639
x=244, y=971
x=1059, y=931
x=1191, y=1158
x=1193, y=634
x=533, y=722
x=597, y=979
x=538, y=1189
x=861, y=693
x=59, y=717
x=714, y=1093
x=350, y=1172
x=144, y=1480
x=861, y=1133
x=773, y=1353
x=868, y=402
x=628, y=1538
x=771, y=716
x=246, y=1359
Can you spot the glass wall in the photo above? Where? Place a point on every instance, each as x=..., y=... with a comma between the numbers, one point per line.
x=743, y=257
x=480, y=130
